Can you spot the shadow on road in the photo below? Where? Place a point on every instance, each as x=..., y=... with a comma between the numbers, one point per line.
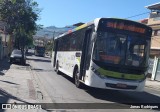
x=39, y=60
x=37, y=69
x=5, y=97
x=24, y=65
x=127, y=98
x=29, y=54
x=32, y=54
x=9, y=82
x=121, y=97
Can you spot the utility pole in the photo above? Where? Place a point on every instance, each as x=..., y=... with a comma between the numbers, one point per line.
x=4, y=40
x=5, y=34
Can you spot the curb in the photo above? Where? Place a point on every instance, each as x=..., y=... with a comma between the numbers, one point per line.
x=40, y=90
x=151, y=87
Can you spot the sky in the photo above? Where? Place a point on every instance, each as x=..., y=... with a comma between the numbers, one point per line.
x=61, y=13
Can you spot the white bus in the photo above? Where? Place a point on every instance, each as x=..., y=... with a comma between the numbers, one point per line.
x=106, y=53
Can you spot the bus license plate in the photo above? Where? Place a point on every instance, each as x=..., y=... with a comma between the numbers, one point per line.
x=121, y=85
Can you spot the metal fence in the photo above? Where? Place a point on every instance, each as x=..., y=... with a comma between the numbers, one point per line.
x=151, y=63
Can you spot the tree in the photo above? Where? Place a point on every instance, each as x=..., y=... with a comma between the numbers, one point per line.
x=21, y=17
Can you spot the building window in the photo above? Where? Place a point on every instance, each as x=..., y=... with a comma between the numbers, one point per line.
x=158, y=32
x=155, y=32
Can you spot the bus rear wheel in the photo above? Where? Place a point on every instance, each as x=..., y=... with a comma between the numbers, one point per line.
x=76, y=80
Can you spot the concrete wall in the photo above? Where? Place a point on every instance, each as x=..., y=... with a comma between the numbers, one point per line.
x=5, y=47
x=154, y=21
x=155, y=67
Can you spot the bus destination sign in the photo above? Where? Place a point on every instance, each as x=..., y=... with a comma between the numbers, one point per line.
x=123, y=26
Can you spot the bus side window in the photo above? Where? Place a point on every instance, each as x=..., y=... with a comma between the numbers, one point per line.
x=73, y=42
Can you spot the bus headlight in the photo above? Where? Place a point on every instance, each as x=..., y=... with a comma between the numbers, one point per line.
x=97, y=73
x=93, y=69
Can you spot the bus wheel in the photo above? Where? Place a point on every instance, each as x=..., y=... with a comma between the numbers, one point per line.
x=76, y=79
x=57, y=67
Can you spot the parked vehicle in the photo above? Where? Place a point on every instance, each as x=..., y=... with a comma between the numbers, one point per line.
x=39, y=51
x=16, y=56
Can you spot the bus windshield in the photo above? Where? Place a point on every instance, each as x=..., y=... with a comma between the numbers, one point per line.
x=121, y=49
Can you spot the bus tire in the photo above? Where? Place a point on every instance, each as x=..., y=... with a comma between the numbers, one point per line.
x=76, y=79
x=57, y=68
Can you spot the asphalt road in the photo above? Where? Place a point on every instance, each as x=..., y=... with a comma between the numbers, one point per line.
x=61, y=88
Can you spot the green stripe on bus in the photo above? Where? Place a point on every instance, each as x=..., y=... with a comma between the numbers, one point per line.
x=120, y=75
x=79, y=59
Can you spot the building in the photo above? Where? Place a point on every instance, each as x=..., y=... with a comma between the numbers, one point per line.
x=5, y=41
x=39, y=40
x=154, y=22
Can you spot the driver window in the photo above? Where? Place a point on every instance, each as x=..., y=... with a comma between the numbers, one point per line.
x=136, y=54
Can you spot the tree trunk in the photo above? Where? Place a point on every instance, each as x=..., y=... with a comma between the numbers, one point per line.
x=22, y=50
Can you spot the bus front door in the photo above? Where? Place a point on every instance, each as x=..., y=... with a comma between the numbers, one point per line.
x=85, y=58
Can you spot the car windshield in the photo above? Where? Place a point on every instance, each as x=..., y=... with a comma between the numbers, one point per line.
x=120, y=49
x=17, y=52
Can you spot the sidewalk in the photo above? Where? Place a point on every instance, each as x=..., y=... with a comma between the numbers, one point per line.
x=18, y=85
x=153, y=84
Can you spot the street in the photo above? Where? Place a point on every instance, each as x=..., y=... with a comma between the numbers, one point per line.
x=104, y=59
x=61, y=89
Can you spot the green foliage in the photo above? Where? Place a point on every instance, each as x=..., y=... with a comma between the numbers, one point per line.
x=21, y=17
x=29, y=41
x=49, y=46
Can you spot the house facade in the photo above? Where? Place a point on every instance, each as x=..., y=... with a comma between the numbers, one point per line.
x=6, y=45
x=154, y=22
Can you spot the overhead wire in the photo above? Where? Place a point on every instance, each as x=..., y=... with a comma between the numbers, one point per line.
x=137, y=15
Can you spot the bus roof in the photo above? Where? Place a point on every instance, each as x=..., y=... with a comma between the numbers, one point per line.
x=75, y=29
x=95, y=22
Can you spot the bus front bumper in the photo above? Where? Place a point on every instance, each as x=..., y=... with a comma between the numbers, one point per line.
x=94, y=80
